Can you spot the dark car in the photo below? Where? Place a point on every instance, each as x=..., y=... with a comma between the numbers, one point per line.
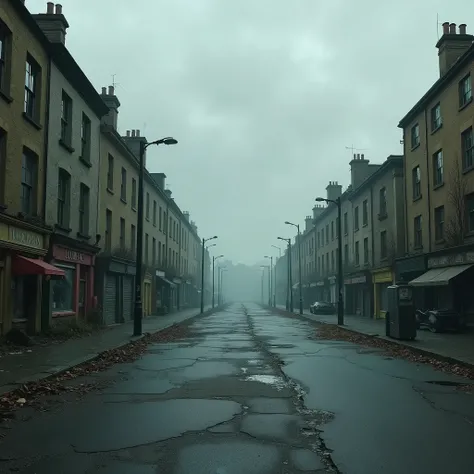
x=321, y=307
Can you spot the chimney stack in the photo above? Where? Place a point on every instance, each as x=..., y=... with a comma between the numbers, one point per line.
x=111, y=101
x=160, y=179
x=360, y=170
x=333, y=190
x=318, y=210
x=133, y=139
x=451, y=46
x=53, y=23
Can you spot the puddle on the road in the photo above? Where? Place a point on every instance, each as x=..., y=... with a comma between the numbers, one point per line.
x=273, y=380
x=447, y=383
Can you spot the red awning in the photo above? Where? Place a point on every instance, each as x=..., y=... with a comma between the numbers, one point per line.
x=33, y=266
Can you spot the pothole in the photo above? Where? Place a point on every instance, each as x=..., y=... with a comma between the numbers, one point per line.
x=273, y=380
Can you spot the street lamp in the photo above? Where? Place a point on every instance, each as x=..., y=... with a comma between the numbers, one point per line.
x=270, y=285
x=275, y=275
x=289, y=290
x=138, y=308
x=269, y=279
x=299, y=263
x=220, y=270
x=221, y=285
x=213, y=279
x=202, y=270
x=340, y=276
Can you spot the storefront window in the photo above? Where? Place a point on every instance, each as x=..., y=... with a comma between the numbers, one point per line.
x=63, y=291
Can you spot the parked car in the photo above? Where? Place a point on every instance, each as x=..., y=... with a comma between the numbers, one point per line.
x=322, y=307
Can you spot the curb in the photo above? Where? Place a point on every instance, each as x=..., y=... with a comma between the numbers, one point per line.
x=55, y=371
x=423, y=352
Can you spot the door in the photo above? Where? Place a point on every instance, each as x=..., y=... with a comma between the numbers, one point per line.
x=110, y=299
x=127, y=294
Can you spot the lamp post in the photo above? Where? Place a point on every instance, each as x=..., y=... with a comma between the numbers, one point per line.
x=299, y=263
x=263, y=274
x=275, y=275
x=221, y=284
x=269, y=279
x=289, y=291
x=340, y=275
x=270, y=284
x=202, y=270
x=138, y=307
x=213, y=279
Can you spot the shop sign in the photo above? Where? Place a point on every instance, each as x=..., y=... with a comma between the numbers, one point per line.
x=383, y=277
x=356, y=280
x=177, y=280
x=25, y=237
x=69, y=255
x=160, y=274
x=320, y=283
x=453, y=259
x=332, y=280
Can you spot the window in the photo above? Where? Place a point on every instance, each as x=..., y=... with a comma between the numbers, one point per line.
x=123, y=185
x=356, y=218
x=3, y=158
x=327, y=262
x=64, y=193
x=383, y=244
x=333, y=263
x=29, y=169
x=66, y=119
x=322, y=265
x=357, y=254
x=382, y=202
x=133, y=238
x=438, y=172
x=467, y=149
x=418, y=232
x=170, y=228
x=365, y=212
x=154, y=213
x=416, y=177
x=147, y=209
x=63, y=291
x=159, y=253
x=415, y=136
x=32, y=77
x=470, y=212
x=337, y=227
x=5, y=53
x=327, y=233
x=366, y=251
x=346, y=254
x=108, y=230
x=160, y=219
x=86, y=138
x=146, y=248
x=322, y=237
x=439, y=223
x=465, y=91
x=122, y=233
x=134, y=193
x=346, y=225
x=436, y=117
x=153, y=251
x=332, y=230
x=84, y=197
x=110, y=173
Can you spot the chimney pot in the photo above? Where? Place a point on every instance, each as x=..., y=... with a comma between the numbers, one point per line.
x=50, y=8
x=462, y=29
x=104, y=90
x=59, y=9
x=128, y=133
x=452, y=29
x=362, y=156
x=137, y=133
x=354, y=156
x=446, y=28
x=111, y=90
x=133, y=133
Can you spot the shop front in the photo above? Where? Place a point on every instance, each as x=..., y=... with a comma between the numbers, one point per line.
x=409, y=268
x=358, y=294
x=178, y=282
x=382, y=278
x=22, y=274
x=114, y=287
x=164, y=289
x=147, y=294
x=332, y=280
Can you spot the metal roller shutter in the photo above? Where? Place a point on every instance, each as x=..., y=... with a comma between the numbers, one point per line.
x=110, y=300
x=127, y=298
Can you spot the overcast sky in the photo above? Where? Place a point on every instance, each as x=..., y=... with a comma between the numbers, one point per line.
x=263, y=95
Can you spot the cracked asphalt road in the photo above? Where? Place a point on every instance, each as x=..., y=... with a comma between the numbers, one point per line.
x=247, y=392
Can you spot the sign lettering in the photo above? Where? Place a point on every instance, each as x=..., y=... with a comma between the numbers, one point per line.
x=25, y=237
x=447, y=260
x=75, y=256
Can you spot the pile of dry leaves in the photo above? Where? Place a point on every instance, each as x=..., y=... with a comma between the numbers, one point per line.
x=392, y=349
x=29, y=393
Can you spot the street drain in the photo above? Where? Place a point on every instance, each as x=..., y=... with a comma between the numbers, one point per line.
x=446, y=383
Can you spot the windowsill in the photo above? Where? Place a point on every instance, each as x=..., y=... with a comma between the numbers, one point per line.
x=418, y=247
x=417, y=198
x=154, y=225
x=437, y=186
x=436, y=129
x=365, y=225
x=83, y=236
x=414, y=147
x=63, y=314
x=123, y=200
x=463, y=106
x=147, y=219
x=134, y=209
x=468, y=169
x=356, y=230
x=440, y=241
x=67, y=147
x=110, y=191
x=382, y=217
x=32, y=121
x=384, y=259
x=62, y=228
x=6, y=96
x=85, y=162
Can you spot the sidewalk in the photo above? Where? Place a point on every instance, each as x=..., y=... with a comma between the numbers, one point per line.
x=459, y=347
x=44, y=361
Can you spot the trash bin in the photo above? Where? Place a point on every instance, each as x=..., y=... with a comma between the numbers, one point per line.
x=400, y=320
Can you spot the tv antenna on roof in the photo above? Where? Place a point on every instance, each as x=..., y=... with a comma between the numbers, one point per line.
x=353, y=149
x=114, y=84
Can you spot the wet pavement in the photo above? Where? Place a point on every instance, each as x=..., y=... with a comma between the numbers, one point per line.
x=248, y=392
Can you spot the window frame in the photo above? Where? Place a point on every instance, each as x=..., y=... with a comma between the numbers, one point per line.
x=383, y=245
x=110, y=173
x=86, y=131
x=416, y=182
x=465, y=93
x=5, y=61
x=66, y=119
x=415, y=135
x=122, y=237
x=467, y=151
x=123, y=184
x=436, y=120
x=418, y=231
x=84, y=210
x=29, y=157
x=439, y=224
x=365, y=213
x=32, y=92
x=438, y=172
x=108, y=230
x=63, y=214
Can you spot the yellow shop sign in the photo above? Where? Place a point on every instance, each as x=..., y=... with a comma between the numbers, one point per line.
x=15, y=235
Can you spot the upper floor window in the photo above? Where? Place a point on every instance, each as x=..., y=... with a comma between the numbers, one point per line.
x=160, y=219
x=154, y=213
x=366, y=251
x=108, y=230
x=110, y=173
x=5, y=54
x=465, y=90
x=133, y=237
x=365, y=212
x=416, y=178
x=147, y=207
x=134, y=193
x=327, y=233
x=382, y=202
x=147, y=244
x=356, y=218
x=415, y=135
x=29, y=181
x=3, y=159
x=86, y=138
x=122, y=233
x=438, y=169
x=32, y=78
x=64, y=193
x=332, y=230
x=66, y=119
x=467, y=148
x=383, y=244
x=346, y=224
x=346, y=254
x=357, y=254
x=418, y=232
x=439, y=223
x=123, y=185
x=84, y=206
x=436, y=117
x=470, y=212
